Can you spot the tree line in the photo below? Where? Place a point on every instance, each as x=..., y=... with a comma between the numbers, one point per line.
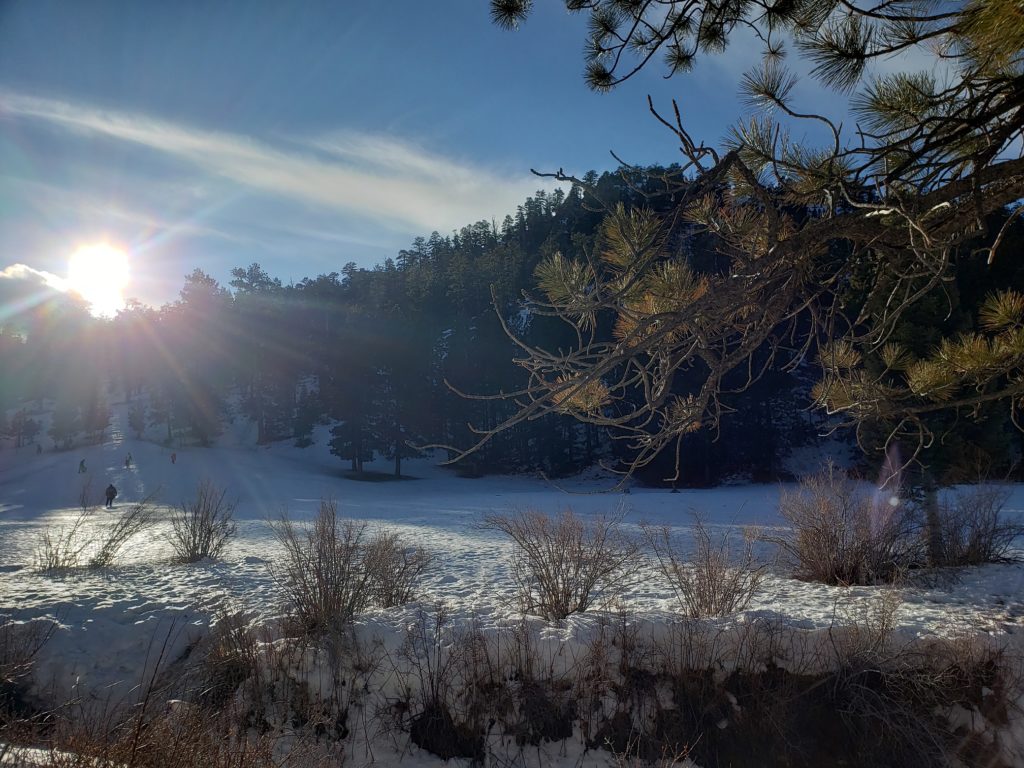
x=425, y=349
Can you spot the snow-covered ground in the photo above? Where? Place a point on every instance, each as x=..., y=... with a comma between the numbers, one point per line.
x=111, y=619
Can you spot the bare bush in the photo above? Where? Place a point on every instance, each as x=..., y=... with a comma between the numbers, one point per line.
x=86, y=502
x=669, y=758
x=841, y=535
x=231, y=658
x=565, y=564
x=447, y=703
x=20, y=642
x=904, y=697
x=333, y=569
x=129, y=522
x=862, y=630
x=61, y=548
x=719, y=579
x=323, y=573
x=974, y=528
x=395, y=568
x=203, y=527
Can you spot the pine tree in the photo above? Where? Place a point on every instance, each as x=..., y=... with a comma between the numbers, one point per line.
x=307, y=415
x=137, y=419
x=24, y=428
x=794, y=224
x=96, y=415
x=65, y=424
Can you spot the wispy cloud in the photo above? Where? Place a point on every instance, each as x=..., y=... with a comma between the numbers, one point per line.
x=385, y=179
x=37, y=277
x=83, y=203
x=22, y=288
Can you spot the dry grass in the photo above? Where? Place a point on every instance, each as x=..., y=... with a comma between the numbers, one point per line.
x=180, y=736
x=202, y=528
x=717, y=579
x=566, y=564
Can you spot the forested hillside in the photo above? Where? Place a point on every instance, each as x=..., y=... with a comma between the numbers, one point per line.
x=397, y=356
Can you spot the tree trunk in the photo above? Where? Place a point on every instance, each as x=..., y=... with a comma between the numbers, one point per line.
x=933, y=522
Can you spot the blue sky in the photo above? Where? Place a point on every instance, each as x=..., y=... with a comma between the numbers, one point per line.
x=300, y=135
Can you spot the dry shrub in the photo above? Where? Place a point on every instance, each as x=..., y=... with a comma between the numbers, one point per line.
x=861, y=631
x=396, y=568
x=719, y=579
x=617, y=688
x=897, y=698
x=61, y=548
x=86, y=501
x=840, y=535
x=531, y=694
x=323, y=573
x=231, y=658
x=202, y=527
x=148, y=729
x=64, y=548
x=20, y=642
x=900, y=696
x=447, y=708
x=333, y=569
x=129, y=521
x=487, y=697
x=669, y=758
x=566, y=564
x=974, y=529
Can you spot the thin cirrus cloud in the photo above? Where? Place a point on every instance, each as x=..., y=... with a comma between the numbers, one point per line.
x=395, y=183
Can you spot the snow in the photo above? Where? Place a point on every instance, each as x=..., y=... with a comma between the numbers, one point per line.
x=114, y=624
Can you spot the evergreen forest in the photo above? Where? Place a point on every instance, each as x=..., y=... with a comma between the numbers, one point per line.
x=412, y=353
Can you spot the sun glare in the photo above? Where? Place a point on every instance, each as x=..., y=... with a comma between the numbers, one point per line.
x=99, y=274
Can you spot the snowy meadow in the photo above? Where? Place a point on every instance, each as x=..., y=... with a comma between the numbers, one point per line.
x=391, y=680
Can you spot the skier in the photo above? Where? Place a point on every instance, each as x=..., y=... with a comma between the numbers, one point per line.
x=39, y=448
x=128, y=461
x=81, y=467
x=111, y=494
x=174, y=458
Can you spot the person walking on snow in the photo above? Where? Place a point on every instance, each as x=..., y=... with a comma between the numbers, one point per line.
x=81, y=467
x=111, y=494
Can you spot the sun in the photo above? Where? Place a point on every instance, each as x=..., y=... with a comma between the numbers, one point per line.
x=99, y=274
